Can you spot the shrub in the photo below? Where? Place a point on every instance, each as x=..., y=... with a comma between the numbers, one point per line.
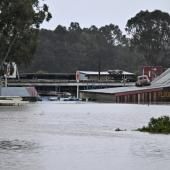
x=157, y=125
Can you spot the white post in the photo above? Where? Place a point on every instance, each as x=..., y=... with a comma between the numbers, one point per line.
x=77, y=79
x=139, y=98
x=77, y=89
x=124, y=80
x=6, y=83
x=0, y=86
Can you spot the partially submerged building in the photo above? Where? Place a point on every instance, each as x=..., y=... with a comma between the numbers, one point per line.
x=158, y=91
x=26, y=93
x=12, y=95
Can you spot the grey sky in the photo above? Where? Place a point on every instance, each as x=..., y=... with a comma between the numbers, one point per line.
x=99, y=12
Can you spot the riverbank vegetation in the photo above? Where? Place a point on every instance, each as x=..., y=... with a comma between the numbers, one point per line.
x=157, y=125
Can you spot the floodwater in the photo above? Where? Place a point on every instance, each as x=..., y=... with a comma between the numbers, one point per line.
x=69, y=136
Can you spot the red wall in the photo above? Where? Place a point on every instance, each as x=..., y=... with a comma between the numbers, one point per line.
x=152, y=71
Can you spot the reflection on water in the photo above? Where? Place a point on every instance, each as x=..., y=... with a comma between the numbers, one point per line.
x=52, y=135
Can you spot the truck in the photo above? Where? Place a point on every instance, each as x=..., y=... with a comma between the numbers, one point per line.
x=143, y=81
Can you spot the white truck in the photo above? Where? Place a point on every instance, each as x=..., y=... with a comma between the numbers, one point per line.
x=143, y=81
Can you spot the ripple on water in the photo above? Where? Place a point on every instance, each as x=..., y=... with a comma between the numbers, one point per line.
x=153, y=149
x=14, y=145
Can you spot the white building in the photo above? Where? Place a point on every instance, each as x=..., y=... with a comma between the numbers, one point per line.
x=104, y=75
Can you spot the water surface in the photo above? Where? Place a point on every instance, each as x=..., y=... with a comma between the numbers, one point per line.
x=69, y=136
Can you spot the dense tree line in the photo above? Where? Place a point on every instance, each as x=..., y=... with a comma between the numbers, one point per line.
x=75, y=48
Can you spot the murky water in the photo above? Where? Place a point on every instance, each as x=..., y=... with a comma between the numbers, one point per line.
x=58, y=136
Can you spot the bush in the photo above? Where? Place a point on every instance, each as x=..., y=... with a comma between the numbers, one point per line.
x=157, y=125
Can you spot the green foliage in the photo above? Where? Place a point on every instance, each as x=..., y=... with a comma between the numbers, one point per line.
x=19, y=23
x=158, y=125
x=113, y=35
x=150, y=35
x=75, y=48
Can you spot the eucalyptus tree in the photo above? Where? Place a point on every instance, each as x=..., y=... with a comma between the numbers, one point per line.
x=149, y=34
x=19, y=24
x=112, y=34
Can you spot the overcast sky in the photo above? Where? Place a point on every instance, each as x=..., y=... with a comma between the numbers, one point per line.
x=99, y=12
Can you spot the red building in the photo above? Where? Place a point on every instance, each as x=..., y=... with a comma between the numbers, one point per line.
x=152, y=71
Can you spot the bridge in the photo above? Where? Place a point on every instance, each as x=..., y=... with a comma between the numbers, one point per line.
x=46, y=86
x=43, y=82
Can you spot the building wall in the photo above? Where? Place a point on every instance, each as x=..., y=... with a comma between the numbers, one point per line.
x=100, y=97
x=145, y=97
x=152, y=71
x=83, y=77
x=96, y=77
x=160, y=96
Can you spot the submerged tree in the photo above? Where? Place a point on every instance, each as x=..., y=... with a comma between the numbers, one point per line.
x=19, y=23
x=150, y=35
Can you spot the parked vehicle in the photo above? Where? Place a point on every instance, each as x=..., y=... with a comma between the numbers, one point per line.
x=54, y=98
x=143, y=81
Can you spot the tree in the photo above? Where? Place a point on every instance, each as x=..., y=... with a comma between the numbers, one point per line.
x=19, y=23
x=74, y=26
x=61, y=32
x=74, y=32
x=150, y=35
x=75, y=48
x=112, y=34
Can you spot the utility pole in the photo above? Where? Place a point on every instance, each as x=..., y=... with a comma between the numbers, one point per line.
x=0, y=86
x=99, y=67
x=78, y=80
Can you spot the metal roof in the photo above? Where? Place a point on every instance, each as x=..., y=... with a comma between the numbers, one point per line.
x=14, y=91
x=163, y=79
x=103, y=72
x=121, y=89
x=94, y=72
x=160, y=82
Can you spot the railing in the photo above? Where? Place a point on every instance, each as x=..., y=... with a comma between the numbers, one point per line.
x=59, y=81
x=47, y=82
